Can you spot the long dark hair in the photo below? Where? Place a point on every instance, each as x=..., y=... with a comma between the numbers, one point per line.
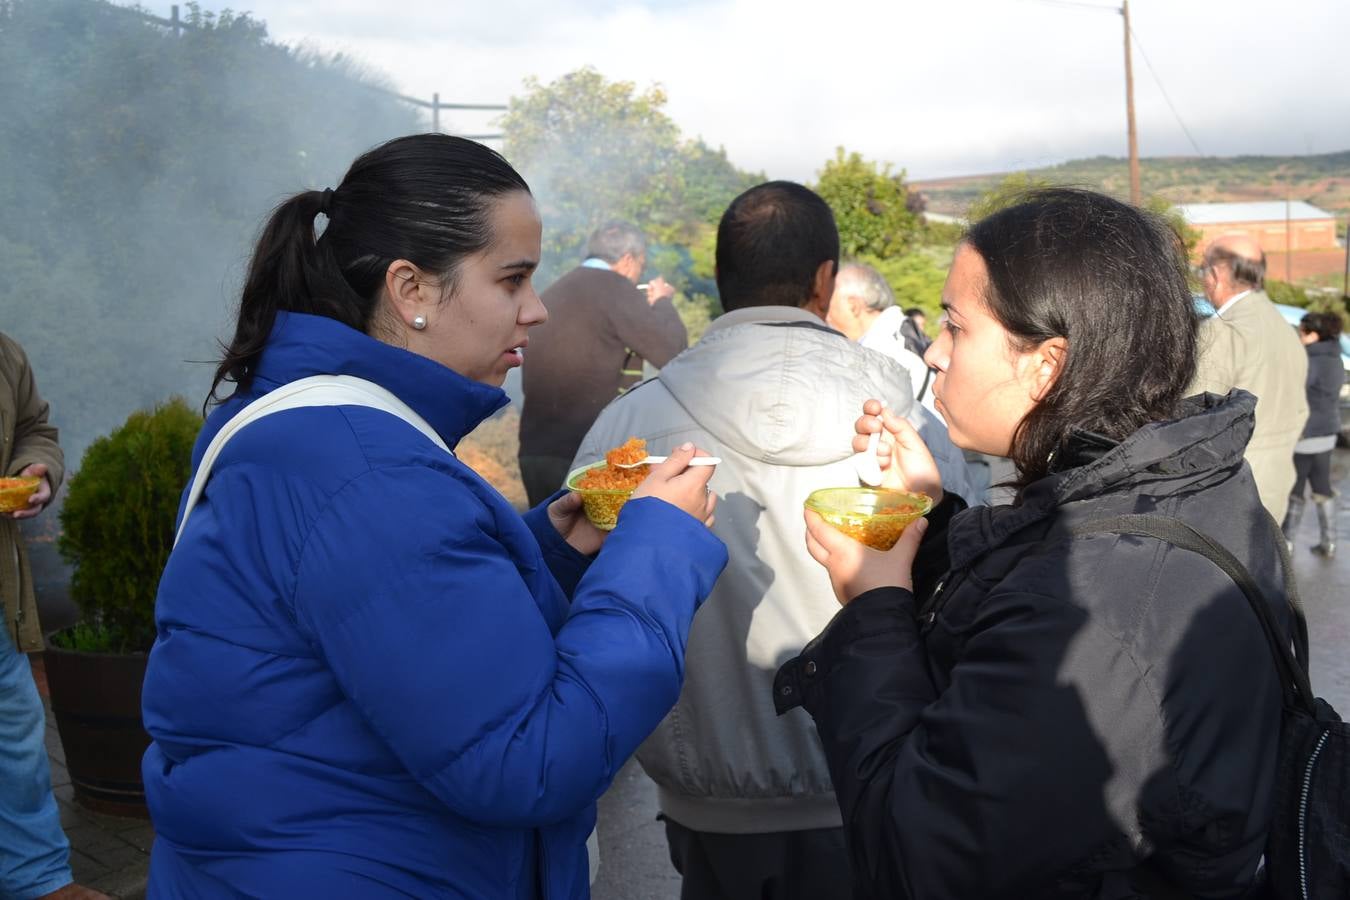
x=1108, y=278
x=425, y=198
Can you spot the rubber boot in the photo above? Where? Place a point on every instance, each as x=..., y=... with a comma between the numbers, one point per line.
x=1292, y=517
x=1326, y=522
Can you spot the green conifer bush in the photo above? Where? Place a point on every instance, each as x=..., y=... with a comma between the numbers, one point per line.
x=118, y=525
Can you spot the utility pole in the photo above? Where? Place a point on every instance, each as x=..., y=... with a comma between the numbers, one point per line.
x=1135, y=197
x=1345, y=285
x=1288, y=236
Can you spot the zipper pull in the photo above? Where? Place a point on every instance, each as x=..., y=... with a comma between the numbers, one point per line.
x=927, y=618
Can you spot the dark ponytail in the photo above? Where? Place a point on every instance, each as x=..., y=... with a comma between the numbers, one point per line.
x=426, y=198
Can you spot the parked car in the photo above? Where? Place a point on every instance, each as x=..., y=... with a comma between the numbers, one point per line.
x=1293, y=315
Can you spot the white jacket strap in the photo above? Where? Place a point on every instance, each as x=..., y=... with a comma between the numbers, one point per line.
x=317, y=390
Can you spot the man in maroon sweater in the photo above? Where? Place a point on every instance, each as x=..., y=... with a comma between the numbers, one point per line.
x=600, y=329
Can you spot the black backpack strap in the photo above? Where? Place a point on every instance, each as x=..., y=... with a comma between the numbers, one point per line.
x=1291, y=664
x=923, y=388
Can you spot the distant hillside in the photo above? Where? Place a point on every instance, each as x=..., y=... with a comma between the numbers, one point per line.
x=1322, y=180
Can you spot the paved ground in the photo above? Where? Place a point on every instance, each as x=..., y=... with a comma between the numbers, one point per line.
x=109, y=853
x=112, y=853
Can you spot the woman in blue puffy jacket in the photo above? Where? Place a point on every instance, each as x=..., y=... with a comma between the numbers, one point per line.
x=372, y=676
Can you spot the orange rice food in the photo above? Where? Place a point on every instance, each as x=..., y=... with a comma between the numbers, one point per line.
x=14, y=492
x=605, y=488
x=611, y=478
x=880, y=532
x=872, y=516
x=633, y=450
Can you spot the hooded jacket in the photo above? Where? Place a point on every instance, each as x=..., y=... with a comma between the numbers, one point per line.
x=1055, y=712
x=1326, y=374
x=774, y=393
x=372, y=677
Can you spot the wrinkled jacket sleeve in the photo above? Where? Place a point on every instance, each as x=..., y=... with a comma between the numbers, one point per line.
x=565, y=562
x=35, y=439
x=652, y=331
x=432, y=632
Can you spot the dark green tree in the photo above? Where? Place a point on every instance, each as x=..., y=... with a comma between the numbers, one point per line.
x=594, y=150
x=871, y=206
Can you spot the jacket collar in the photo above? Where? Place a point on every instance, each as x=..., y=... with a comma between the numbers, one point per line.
x=760, y=314
x=1324, y=348
x=1209, y=434
x=302, y=345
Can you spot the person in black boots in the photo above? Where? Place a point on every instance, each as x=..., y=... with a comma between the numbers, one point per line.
x=1320, y=333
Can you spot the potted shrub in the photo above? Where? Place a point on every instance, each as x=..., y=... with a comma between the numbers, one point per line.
x=117, y=530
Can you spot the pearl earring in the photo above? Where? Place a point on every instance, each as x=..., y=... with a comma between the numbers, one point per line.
x=419, y=323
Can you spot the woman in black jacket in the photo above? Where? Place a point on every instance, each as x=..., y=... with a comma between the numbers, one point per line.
x=1320, y=333
x=1017, y=712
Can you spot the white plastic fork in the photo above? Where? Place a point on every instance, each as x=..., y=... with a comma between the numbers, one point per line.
x=653, y=460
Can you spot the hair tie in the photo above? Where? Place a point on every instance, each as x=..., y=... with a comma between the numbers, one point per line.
x=326, y=202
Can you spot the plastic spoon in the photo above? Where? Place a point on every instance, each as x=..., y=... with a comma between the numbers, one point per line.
x=653, y=460
x=869, y=470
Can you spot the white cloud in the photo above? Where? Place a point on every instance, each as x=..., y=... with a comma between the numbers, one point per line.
x=937, y=87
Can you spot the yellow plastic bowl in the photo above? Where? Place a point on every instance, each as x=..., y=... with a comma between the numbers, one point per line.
x=873, y=516
x=14, y=492
x=600, y=504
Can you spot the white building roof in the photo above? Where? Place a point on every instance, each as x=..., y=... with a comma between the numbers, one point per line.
x=1262, y=211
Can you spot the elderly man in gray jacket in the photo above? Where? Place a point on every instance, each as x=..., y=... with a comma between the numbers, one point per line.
x=749, y=808
x=1247, y=344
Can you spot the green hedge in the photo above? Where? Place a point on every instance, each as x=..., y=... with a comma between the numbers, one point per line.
x=118, y=525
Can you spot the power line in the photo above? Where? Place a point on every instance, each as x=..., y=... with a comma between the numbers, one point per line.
x=1074, y=4
x=1163, y=90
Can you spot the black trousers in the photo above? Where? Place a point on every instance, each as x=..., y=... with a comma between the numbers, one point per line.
x=1314, y=468
x=778, y=865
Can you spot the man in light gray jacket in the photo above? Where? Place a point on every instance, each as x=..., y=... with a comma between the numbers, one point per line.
x=749, y=808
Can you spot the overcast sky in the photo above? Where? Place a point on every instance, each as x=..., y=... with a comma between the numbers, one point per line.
x=944, y=87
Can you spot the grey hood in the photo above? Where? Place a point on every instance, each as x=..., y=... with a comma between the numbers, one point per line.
x=787, y=353
x=774, y=393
